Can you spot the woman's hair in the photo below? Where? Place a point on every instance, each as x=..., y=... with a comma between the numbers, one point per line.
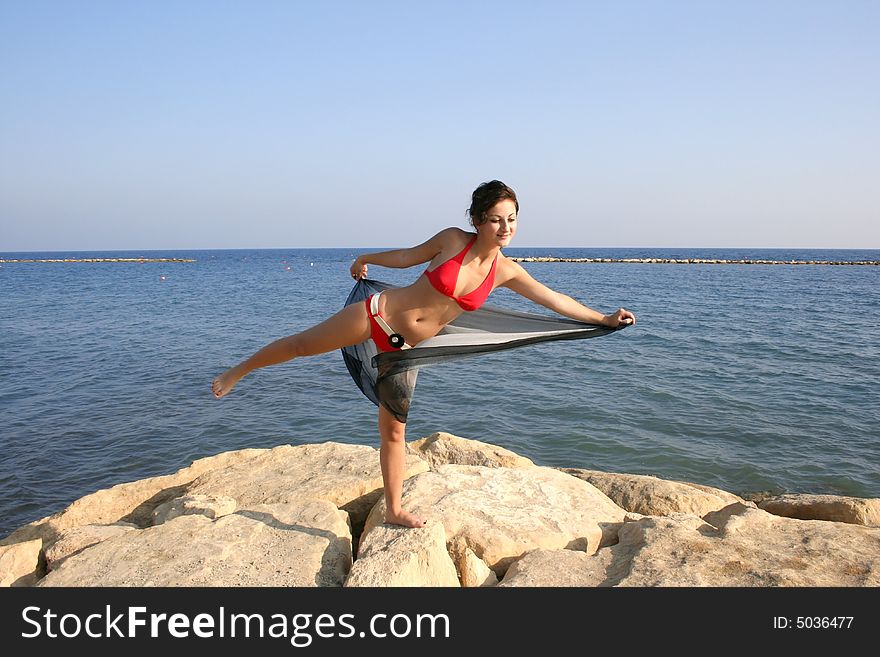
x=485, y=197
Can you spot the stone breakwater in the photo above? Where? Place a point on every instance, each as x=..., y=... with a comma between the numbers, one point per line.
x=701, y=261
x=312, y=515
x=102, y=260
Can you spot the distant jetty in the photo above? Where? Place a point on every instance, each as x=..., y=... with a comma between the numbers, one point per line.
x=701, y=261
x=104, y=260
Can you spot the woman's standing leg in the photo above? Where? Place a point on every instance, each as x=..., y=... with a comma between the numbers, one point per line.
x=392, y=458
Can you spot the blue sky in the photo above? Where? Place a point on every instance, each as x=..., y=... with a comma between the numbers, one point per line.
x=163, y=125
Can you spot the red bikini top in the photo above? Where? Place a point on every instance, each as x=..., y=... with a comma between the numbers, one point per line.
x=445, y=276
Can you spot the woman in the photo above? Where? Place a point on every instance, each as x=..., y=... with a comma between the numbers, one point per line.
x=464, y=268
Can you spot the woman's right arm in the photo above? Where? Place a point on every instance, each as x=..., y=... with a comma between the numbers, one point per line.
x=403, y=258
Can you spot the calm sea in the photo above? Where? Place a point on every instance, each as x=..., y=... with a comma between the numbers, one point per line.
x=745, y=377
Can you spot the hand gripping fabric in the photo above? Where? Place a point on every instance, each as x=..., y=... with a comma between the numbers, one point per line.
x=389, y=378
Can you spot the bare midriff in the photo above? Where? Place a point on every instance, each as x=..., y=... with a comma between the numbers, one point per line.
x=417, y=311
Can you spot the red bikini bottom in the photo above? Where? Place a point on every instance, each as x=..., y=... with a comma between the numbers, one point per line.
x=383, y=335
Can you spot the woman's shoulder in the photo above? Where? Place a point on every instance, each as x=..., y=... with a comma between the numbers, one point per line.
x=507, y=268
x=455, y=231
x=454, y=236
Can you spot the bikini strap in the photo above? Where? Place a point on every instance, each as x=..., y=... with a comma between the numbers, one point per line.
x=467, y=248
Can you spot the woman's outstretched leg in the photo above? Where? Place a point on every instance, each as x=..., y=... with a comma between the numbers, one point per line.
x=392, y=458
x=347, y=327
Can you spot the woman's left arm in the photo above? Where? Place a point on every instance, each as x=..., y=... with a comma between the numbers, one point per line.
x=521, y=282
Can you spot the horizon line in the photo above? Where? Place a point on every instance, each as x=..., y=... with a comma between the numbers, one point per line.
x=362, y=248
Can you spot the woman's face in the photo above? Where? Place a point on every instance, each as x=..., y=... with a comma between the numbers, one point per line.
x=500, y=224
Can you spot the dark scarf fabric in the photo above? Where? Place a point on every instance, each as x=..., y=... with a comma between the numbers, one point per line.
x=389, y=378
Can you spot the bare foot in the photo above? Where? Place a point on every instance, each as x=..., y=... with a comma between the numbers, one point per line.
x=405, y=518
x=225, y=382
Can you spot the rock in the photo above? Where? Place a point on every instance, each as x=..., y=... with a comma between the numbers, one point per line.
x=474, y=571
x=299, y=543
x=76, y=539
x=741, y=546
x=349, y=476
x=651, y=496
x=854, y=510
x=505, y=517
x=131, y=502
x=397, y=556
x=210, y=506
x=19, y=563
x=558, y=568
x=501, y=513
x=758, y=496
x=445, y=449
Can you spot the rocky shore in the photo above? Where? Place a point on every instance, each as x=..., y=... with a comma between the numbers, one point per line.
x=311, y=515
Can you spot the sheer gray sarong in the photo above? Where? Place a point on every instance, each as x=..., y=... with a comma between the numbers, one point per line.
x=389, y=378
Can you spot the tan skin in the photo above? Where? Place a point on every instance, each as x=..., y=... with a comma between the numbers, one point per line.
x=418, y=312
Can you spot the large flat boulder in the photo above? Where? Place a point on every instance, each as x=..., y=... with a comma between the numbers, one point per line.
x=854, y=510
x=397, y=556
x=501, y=513
x=740, y=545
x=443, y=448
x=346, y=475
x=129, y=502
x=349, y=476
x=651, y=496
x=297, y=543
